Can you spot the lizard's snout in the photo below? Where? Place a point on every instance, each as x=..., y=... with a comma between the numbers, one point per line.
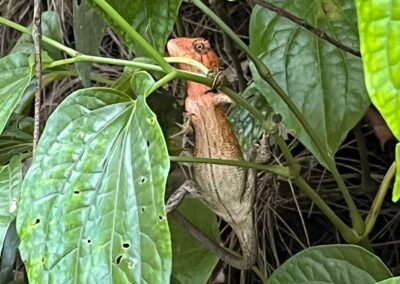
x=172, y=48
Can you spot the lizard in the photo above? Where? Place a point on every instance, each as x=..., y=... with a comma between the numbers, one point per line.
x=226, y=190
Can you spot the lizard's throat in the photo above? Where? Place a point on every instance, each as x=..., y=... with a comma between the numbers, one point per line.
x=196, y=90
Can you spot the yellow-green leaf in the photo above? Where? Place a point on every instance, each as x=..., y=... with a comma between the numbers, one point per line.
x=379, y=28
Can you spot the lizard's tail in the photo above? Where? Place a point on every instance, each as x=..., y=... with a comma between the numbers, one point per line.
x=246, y=236
x=248, y=243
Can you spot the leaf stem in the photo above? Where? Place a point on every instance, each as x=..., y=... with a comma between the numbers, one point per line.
x=279, y=170
x=104, y=60
x=293, y=163
x=347, y=233
x=203, y=69
x=71, y=52
x=377, y=204
x=164, y=80
x=260, y=274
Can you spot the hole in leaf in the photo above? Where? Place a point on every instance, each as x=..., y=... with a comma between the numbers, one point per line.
x=43, y=259
x=148, y=143
x=143, y=180
x=126, y=245
x=77, y=192
x=37, y=221
x=89, y=241
x=160, y=217
x=151, y=120
x=118, y=260
x=142, y=209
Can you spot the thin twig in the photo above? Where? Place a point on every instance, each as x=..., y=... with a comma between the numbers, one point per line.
x=301, y=22
x=37, y=35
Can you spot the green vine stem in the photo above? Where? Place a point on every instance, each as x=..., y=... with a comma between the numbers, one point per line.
x=377, y=204
x=71, y=52
x=264, y=72
x=293, y=163
x=347, y=233
x=203, y=69
x=104, y=60
x=163, y=81
x=130, y=63
x=275, y=169
x=260, y=274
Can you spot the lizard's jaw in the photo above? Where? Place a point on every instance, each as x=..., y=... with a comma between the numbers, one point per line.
x=196, y=90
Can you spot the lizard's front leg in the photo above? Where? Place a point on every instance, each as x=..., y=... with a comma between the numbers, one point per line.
x=188, y=187
x=186, y=130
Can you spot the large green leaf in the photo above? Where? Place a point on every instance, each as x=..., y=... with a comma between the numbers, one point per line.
x=334, y=264
x=325, y=83
x=152, y=19
x=92, y=203
x=379, y=28
x=15, y=75
x=51, y=27
x=192, y=262
x=89, y=30
x=10, y=184
x=394, y=280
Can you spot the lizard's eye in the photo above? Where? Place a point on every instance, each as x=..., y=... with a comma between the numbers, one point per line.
x=200, y=47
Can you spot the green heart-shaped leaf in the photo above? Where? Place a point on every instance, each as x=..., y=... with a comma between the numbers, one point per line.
x=92, y=203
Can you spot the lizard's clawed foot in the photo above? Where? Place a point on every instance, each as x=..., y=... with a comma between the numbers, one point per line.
x=263, y=150
x=186, y=129
x=221, y=98
x=219, y=79
x=188, y=187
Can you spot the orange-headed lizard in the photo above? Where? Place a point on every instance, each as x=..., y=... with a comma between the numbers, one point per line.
x=222, y=188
